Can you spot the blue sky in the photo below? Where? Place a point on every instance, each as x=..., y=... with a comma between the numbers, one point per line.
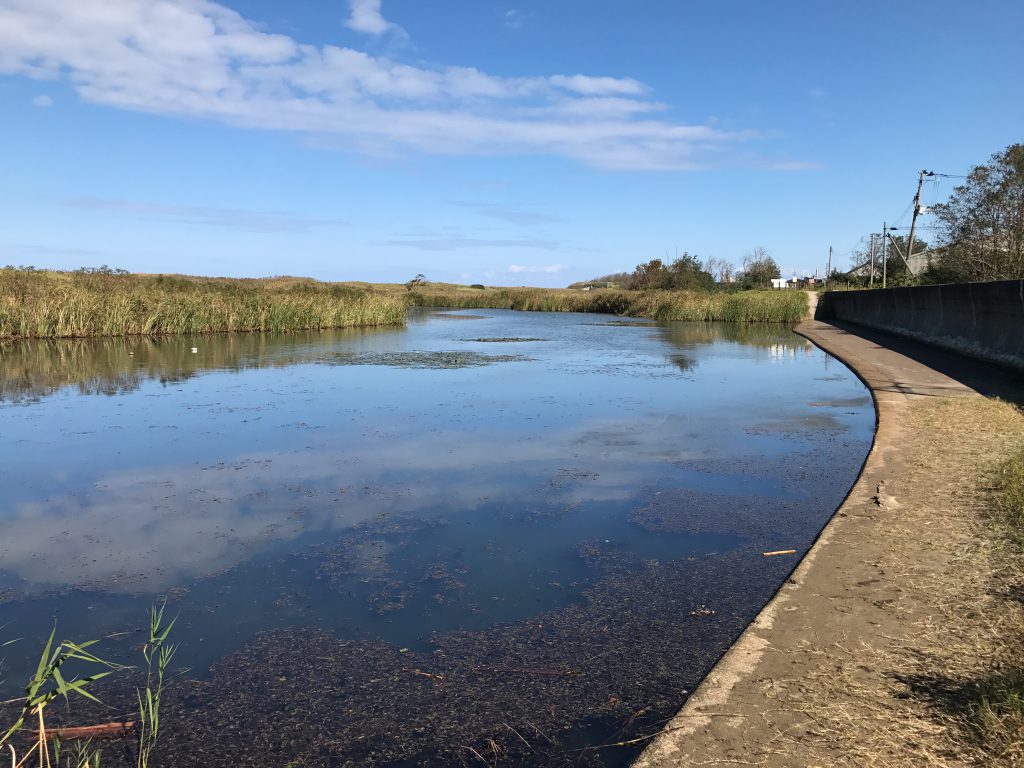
x=477, y=141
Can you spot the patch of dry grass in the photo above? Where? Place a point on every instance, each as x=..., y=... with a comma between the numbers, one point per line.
x=697, y=306
x=1010, y=499
x=37, y=304
x=947, y=688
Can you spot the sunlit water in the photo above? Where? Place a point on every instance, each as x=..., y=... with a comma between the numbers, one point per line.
x=398, y=485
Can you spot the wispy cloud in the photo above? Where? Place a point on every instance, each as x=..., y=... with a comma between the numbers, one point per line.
x=229, y=218
x=507, y=213
x=458, y=242
x=817, y=93
x=201, y=59
x=366, y=17
x=549, y=269
x=27, y=249
x=515, y=19
x=42, y=101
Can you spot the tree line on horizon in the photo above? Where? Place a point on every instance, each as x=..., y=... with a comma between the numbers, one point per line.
x=687, y=272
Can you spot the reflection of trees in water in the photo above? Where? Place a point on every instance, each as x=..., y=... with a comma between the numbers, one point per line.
x=763, y=335
x=778, y=340
x=30, y=370
x=683, y=362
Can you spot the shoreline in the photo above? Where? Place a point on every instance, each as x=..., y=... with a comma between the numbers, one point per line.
x=846, y=601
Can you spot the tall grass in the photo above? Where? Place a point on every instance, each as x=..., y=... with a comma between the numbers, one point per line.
x=996, y=703
x=741, y=307
x=52, y=680
x=38, y=304
x=1010, y=498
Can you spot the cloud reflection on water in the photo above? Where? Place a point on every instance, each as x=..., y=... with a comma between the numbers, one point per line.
x=201, y=500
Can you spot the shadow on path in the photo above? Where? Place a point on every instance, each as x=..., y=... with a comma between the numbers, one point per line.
x=983, y=377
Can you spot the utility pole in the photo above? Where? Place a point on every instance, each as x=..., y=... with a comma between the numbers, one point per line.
x=828, y=271
x=871, y=275
x=913, y=220
x=885, y=260
x=896, y=247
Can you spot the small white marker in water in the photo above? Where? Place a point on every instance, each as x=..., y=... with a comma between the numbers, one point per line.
x=194, y=350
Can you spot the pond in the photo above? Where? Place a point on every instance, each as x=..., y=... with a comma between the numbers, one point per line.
x=489, y=536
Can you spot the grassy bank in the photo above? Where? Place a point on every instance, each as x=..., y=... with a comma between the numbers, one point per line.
x=42, y=304
x=37, y=304
x=741, y=307
x=937, y=678
x=1010, y=501
x=995, y=708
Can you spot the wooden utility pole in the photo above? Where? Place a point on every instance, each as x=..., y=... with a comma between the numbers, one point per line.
x=885, y=260
x=828, y=271
x=913, y=220
x=871, y=275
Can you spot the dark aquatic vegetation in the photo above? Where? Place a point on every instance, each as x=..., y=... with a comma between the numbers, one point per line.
x=508, y=339
x=422, y=359
x=395, y=548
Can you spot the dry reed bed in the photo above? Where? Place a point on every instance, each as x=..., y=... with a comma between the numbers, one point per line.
x=37, y=304
x=739, y=307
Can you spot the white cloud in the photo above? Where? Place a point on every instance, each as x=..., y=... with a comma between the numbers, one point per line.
x=229, y=218
x=42, y=101
x=549, y=269
x=457, y=242
x=507, y=213
x=515, y=19
x=366, y=17
x=200, y=59
x=818, y=93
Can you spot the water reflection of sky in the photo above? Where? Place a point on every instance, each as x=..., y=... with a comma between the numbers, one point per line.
x=194, y=465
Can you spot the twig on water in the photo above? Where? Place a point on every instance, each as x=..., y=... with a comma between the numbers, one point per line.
x=529, y=671
x=517, y=733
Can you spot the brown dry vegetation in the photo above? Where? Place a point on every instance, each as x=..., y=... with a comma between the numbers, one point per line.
x=699, y=306
x=950, y=692
x=43, y=304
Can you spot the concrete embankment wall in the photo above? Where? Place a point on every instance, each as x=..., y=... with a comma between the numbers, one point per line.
x=984, y=320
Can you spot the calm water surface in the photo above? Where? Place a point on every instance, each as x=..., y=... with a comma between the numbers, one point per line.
x=433, y=498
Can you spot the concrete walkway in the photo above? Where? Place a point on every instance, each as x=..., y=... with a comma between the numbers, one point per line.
x=755, y=697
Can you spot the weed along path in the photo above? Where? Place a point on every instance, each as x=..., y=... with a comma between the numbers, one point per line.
x=870, y=651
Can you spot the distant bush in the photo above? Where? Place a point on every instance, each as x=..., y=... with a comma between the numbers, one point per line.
x=478, y=286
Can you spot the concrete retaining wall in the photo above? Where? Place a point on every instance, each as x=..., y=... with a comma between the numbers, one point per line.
x=984, y=320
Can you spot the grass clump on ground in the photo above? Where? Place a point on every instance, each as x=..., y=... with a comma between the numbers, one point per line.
x=43, y=304
x=996, y=702
x=738, y=307
x=1010, y=499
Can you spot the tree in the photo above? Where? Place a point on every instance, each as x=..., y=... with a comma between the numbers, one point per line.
x=759, y=268
x=722, y=270
x=651, y=274
x=685, y=273
x=982, y=223
x=416, y=282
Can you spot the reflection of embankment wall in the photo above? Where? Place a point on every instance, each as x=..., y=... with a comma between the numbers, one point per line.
x=983, y=320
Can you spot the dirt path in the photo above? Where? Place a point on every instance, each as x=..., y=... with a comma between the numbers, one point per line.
x=857, y=659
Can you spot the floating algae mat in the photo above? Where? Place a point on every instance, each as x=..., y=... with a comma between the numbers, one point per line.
x=398, y=548
x=421, y=359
